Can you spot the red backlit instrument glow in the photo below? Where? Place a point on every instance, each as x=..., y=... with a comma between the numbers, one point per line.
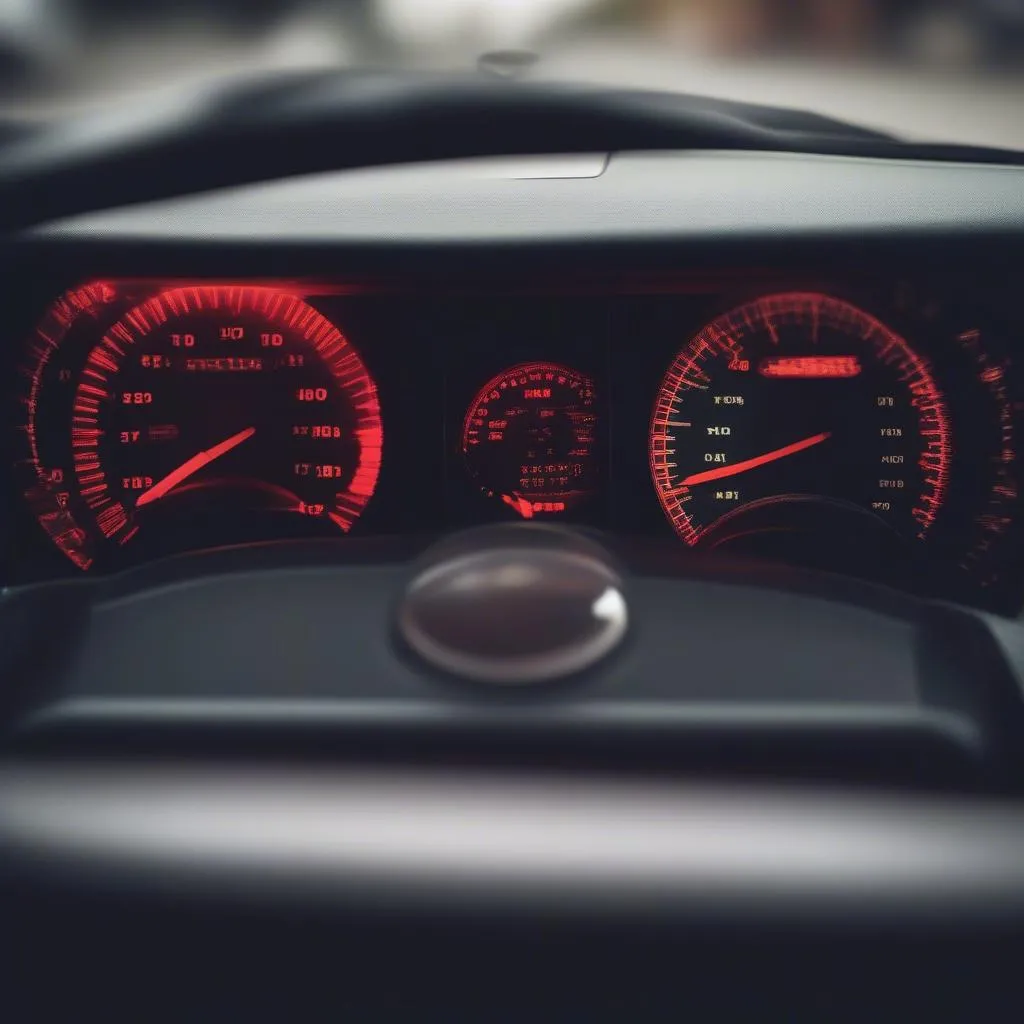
x=529, y=438
x=735, y=468
x=199, y=415
x=809, y=366
x=797, y=396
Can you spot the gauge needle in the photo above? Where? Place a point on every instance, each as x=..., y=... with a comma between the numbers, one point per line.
x=193, y=465
x=758, y=460
x=519, y=503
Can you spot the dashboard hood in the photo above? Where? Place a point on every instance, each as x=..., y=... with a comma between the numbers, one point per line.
x=191, y=141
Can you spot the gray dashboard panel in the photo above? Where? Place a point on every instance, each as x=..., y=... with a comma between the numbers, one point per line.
x=434, y=839
x=689, y=196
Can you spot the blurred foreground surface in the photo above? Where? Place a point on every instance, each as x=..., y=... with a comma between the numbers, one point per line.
x=948, y=70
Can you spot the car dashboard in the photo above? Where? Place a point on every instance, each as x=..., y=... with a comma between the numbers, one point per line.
x=736, y=434
x=860, y=423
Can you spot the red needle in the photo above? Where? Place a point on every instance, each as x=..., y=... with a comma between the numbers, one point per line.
x=519, y=503
x=759, y=460
x=193, y=465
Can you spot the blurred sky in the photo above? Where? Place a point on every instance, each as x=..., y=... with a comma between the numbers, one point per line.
x=949, y=70
x=497, y=22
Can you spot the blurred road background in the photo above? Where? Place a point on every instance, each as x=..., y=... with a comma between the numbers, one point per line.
x=945, y=70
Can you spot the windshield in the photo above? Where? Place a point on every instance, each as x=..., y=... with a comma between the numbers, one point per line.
x=929, y=70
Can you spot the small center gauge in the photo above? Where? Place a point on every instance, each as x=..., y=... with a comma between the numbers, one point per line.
x=529, y=438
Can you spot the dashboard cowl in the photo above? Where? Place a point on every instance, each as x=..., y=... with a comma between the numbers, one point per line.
x=301, y=658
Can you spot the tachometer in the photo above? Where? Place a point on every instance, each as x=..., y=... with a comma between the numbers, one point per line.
x=205, y=415
x=791, y=409
x=529, y=438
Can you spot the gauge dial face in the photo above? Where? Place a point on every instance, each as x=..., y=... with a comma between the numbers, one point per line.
x=798, y=398
x=529, y=438
x=204, y=416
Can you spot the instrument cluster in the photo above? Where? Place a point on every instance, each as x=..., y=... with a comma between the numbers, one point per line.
x=871, y=431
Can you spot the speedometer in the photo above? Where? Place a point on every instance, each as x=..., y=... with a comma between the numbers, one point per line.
x=798, y=407
x=204, y=415
x=529, y=438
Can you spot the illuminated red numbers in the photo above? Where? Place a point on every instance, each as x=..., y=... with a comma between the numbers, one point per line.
x=311, y=394
x=232, y=333
x=154, y=362
x=536, y=392
x=224, y=364
x=321, y=472
x=319, y=432
x=740, y=365
x=136, y=397
x=810, y=366
x=271, y=340
x=183, y=340
x=136, y=483
x=130, y=436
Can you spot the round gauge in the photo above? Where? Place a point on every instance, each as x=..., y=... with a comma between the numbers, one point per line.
x=529, y=438
x=793, y=412
x=989, y=433
x=207, y=415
